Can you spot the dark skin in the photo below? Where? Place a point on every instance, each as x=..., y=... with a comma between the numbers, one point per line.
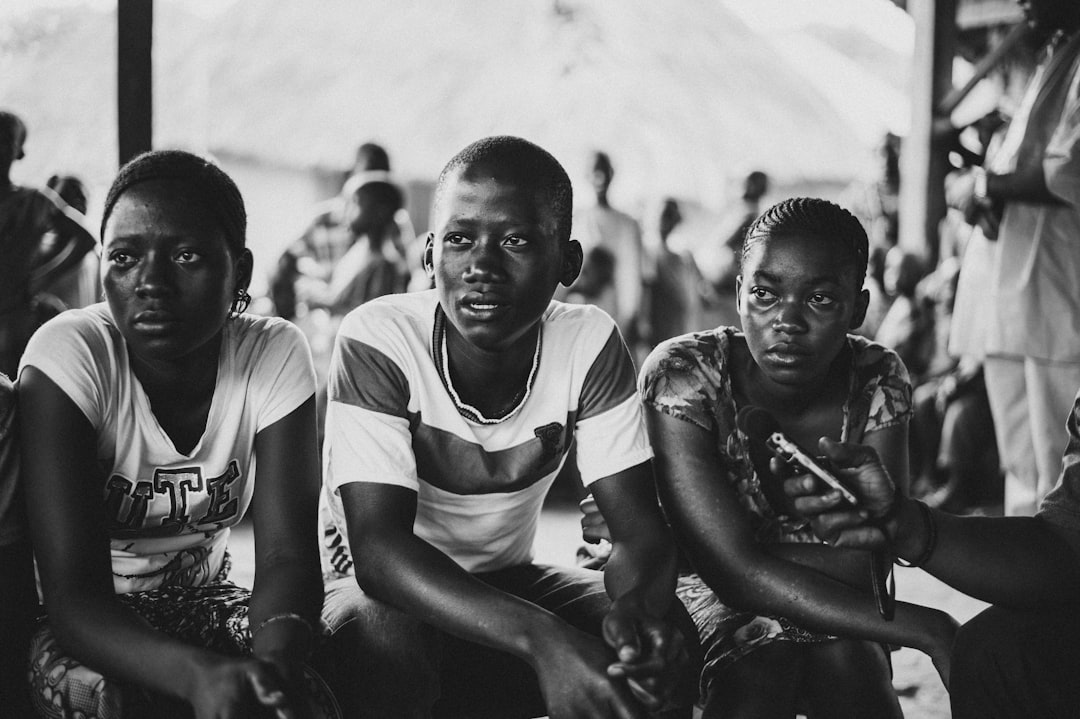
x=797, y=303
x=1018, y=562
x=496, y=258
x=169, y=277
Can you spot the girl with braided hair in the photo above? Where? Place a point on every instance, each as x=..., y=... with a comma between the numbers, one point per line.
x=788, y=624
x=146, y=421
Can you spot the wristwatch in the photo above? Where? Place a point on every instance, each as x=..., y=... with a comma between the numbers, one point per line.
x=980, y=183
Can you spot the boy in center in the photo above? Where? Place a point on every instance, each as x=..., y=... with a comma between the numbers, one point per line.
x=450, y=413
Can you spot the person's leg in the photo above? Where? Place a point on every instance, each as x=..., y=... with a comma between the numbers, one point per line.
x=386, y=663
x=18, y=608
x=1009, y=664
x=1005, y=387
x=849, y=678
x=925, y=433
x=1051, y=388
x=760, y=685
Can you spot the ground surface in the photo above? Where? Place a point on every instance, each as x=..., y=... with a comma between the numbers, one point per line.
x=922, y=695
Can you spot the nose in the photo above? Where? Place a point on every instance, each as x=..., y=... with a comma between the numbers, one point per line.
x=155, y=276
x=485, y=263
x=789, y=318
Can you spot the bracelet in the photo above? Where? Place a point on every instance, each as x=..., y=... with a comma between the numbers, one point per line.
x=931, y=539
x=289, y=616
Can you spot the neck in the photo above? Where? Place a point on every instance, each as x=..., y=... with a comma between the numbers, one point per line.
x=601, y=199
x=193, y=375
x=490, y=380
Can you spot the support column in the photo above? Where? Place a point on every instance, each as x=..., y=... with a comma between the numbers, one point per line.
x=134, y=70
x=923, y=159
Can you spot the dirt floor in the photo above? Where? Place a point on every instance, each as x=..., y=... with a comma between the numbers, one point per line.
x=922, y=695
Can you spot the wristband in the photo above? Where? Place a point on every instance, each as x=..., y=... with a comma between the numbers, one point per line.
x=931, y=538
x=285, y=616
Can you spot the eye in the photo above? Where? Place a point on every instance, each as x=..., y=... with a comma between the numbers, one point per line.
x=763, y=294
x=121, y=258
x=187, y=256
x=515, y=241
x=455, y=238
x=822, y=299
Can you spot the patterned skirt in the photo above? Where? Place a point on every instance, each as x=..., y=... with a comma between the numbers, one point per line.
x=213, y=616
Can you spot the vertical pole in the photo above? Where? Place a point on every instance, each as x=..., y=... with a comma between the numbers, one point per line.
x=134, y=69
x=923, y=160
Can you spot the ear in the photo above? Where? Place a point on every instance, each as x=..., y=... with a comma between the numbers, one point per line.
x=862, y=302
x=429, y=255
x=571, y=263
x=738, y=294
x=244, y=265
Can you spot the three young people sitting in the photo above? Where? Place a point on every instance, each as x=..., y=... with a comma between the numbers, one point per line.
x=451, y=411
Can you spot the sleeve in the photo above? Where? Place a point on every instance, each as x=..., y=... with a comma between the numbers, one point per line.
x=285, y=373
x=610, y=428
x=70, y=351
x=1061, y=161
x=1061, y=507
x=368, y=435
x=675, y=382
x=887, y=392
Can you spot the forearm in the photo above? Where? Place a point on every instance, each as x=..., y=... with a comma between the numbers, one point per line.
x=1015, y=561
x=286, y=589
x=113, y=640
x=646, y=569
x=816, y=601
x=415, y=577
x=1025, y=185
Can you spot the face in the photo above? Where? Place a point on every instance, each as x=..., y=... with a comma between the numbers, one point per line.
x=496, y=257
x=797, y=303
x=367, y=213
x=600, y=178
x=167, y=272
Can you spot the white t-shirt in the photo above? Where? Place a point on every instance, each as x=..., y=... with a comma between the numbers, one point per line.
x=392, y=420
x=169, y=512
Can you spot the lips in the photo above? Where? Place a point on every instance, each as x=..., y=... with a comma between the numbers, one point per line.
x=155, y=321
x=483, y=307
x=788, y=353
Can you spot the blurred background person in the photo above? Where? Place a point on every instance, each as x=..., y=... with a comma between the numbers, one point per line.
x=675, y=291
x=80, y=285
x=617, y=232
x=41, y=238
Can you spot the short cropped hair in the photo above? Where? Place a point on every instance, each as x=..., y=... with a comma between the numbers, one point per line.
x=386, y=194
x=531, y=164
x=214, y=188
x=816, y=218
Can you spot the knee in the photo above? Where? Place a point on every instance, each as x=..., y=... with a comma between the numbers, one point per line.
x=983, y=650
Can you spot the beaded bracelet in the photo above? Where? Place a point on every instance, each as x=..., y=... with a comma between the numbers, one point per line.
x=931, y=538
x=290, y=616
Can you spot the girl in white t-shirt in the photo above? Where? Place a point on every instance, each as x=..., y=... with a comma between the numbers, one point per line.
x=143, y=419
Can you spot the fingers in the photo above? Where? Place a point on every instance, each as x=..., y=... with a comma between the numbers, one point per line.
x=864, y=537
x=621, y=634
x=268, y=690
x=846, y=454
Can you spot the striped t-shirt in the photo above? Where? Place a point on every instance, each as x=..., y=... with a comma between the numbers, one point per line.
x=391, y=419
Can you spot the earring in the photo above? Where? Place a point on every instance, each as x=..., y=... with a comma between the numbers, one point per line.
x=240, y=303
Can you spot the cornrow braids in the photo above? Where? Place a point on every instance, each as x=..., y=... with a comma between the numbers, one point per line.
x=531, y=164
x=214, y=188
x=817, y=218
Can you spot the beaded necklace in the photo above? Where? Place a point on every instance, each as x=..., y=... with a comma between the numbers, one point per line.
x=442, y=363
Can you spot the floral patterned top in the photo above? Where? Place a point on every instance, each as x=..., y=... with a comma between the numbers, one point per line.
x=688, y=377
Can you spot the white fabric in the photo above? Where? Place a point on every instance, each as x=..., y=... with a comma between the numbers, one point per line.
x=170, y=512
x=461, y=509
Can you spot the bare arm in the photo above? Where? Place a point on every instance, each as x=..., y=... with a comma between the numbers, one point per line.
x=285, y=507
x=716, y=533
x=1016, y=561
x=68, y=527
x=399, y=568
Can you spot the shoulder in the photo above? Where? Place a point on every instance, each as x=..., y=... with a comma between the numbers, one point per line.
x=92, y=326
x=389, y=315
x=872, y=360
x=703, y=353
